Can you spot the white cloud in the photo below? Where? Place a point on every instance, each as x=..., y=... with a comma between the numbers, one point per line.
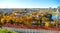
x=15, y=5
x=10, y=5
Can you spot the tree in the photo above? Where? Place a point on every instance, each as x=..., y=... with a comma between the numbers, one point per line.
x=56, y=22
x=47, y=24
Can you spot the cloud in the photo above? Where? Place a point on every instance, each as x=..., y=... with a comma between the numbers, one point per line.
x=26, y=4
x=12, y=5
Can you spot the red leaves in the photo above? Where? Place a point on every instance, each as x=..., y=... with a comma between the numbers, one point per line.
x=32, y=27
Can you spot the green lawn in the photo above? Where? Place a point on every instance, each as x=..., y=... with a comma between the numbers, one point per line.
x=6, y=31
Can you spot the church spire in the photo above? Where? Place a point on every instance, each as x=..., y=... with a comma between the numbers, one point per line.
x=57, y=13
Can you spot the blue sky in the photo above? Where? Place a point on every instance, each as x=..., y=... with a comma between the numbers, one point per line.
x=29, y=3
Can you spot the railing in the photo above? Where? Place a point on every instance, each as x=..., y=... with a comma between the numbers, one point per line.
x=21, y=30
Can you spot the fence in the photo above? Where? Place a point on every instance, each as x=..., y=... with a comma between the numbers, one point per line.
x=21, y=30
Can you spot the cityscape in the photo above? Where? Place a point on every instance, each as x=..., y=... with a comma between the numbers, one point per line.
x=25, y=18
x=29, y=16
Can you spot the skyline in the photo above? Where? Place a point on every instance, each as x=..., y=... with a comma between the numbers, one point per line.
x=29, y=3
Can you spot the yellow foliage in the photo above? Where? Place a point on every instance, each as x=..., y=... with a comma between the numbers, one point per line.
x=47, y=24
x=2, y=20
x=42, y=15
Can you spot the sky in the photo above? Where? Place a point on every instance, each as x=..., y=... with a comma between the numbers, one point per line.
x=29, y=3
